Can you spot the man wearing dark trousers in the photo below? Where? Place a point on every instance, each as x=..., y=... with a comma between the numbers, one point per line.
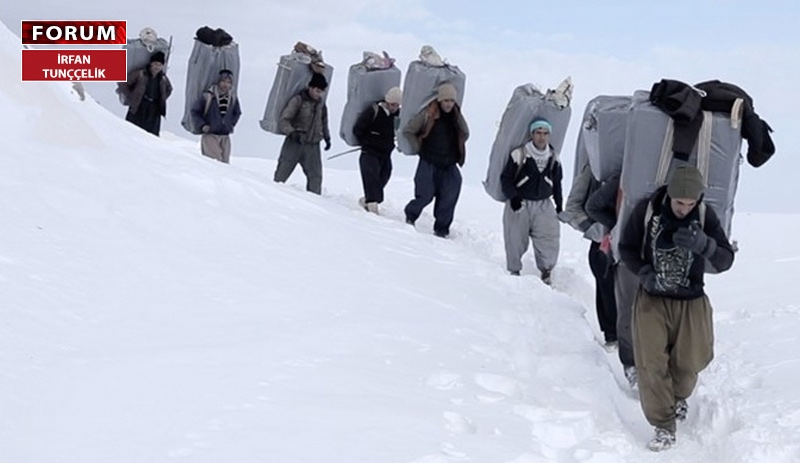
x=438, y=133
x=602, y=207
x=374, y=130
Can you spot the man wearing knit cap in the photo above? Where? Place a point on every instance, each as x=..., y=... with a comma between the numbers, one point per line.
x=531, y=180
x=374, y=130
x=667, y=241
x=438, y=133
x=145, y=93
x=304, y=121
x=216, y=112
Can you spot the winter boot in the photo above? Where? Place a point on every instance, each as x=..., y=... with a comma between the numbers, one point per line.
x=681, y=410
x=632, y=376
x=663, y=440
x=546, y=278
x=610, y=346
x=372, y=207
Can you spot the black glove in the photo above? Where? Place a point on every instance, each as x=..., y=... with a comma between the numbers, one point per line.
x=647, y=278
x=296, y=136
x=692, y=238
x=327, y=144
x=516, y=203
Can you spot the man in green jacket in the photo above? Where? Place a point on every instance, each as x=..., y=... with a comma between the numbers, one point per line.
x=304, y=121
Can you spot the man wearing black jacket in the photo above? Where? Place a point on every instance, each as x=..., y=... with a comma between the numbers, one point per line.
x=531, y=180
x=374, y=130
x=667, y=241
x=145, y=93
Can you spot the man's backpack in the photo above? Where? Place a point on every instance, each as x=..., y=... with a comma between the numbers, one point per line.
x=292, y=77
x=367, y=83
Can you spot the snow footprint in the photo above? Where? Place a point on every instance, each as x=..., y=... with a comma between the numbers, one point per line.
x=559, y=429
x=458, y=424
x=500, y=387
x=444, y=381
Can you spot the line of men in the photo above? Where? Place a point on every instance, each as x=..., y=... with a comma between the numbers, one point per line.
x=665, y=322
x=439, y=133
x=651, y=305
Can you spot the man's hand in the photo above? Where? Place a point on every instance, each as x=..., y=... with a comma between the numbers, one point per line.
x=648, y=278
x=692, y=238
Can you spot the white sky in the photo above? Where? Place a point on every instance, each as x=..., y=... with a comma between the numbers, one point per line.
x=158, y=306
x=608, y=47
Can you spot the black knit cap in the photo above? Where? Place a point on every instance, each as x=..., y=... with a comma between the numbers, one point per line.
x=318, y=81
x=158, y=56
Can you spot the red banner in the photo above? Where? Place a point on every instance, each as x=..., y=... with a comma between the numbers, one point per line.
x=74, y=32
x=75, y=65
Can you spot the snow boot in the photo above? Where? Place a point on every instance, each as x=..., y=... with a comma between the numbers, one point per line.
x=663, y=440
x=546, y=278
x=631, y=376
x=681, y=410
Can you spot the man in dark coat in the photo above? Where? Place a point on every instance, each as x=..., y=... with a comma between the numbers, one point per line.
x=374, y=130
x=601, y=206
x=667, y=241
x=576, y=214
x=146, y=93
x=216, y=112
x=438, y=133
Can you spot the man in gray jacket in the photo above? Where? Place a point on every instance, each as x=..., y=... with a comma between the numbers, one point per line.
x=304, y=121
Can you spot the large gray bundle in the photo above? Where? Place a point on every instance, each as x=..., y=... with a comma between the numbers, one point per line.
x=581, y=155
x=602, y=134
x=205, y=62
x=292, y=76
x=527, y=103
x=716, y=154
x=365, y=86
x=138, y=52
x=421, y=84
